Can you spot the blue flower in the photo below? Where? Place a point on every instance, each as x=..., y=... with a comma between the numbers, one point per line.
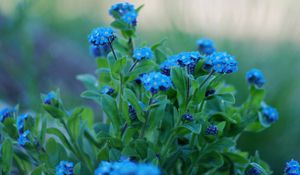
x=187, y=58
x=148, y=169
x=23, y=138
x=65, y=168
x=130, y=18
x=107, y=90
x=132, y=111
x=104, y=168
x=21, y=122
x=206, y=46
x=253, y=171
x=120, y=9
x=126, y=167
x=292, y=168
x=50, y=98
x=270, y=114
x=142, y=53
x=211, y=130
x=155, y=81
x=168, y=64
x=221, y=62
x=5, y=113
x=255, y=77
x=102, y=36
x=187, y=117
x=99, y=51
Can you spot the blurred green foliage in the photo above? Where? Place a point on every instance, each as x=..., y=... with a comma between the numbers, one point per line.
x=41, y=50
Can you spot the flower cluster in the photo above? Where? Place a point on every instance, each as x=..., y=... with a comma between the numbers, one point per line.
x=155, y=81
x=187, y=117
x=125, y=11
x=221, y=62
x=65, y=168
x=21, y=122
x=270, y=114
x=102, y=36
x=5, y=113
x=255, y=77
x=211, y=130
x=168, y=64
x=206, y=46
x=142, y=53
x=50, y=98
x=253, y=171
x=126, y=168
x=99, y=51
x=107, y=90
x=23, y=138
x=292, y=168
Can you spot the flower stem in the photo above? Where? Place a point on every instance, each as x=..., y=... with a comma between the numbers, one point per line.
x=206, y=79
x=133, y=65
x=131, y=45
x=112, y=49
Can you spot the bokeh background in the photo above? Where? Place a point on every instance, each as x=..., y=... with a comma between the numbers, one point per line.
x=43, y=46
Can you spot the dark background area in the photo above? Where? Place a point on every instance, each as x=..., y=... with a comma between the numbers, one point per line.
x=43, y=46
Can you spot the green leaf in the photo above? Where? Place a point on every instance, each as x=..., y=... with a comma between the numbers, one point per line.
x=160, y=55
x=74, y=122
x=77, y=168
x=117, y=68
x=221, y=144
x=236, y=158
x=256, y=166
x=102, y=63
x=88, y=80
x=226, y=97
x=55, y=112
x=109, y=106
x=131, y=97
x=143, y=66
x=257, y=96
x=158, y=44
x=7, y=156
x=55, y=152
x=120, y=24
x=211, y=160
x=38, y=170
x=179, y=79
x=61, y=136
x=104, y=75
x=139, y=8
x=114, y=154
x=91, y=94
x=189, y=127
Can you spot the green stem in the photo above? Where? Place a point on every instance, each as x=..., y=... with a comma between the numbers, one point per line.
x=133, y=65
x=206, y=79
x=131, y=45
x=147, y=119
x=112, y=49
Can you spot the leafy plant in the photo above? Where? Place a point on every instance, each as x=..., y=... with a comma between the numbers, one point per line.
x=162, y=114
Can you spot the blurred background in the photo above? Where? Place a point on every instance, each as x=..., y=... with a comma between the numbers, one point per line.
x=43, y=46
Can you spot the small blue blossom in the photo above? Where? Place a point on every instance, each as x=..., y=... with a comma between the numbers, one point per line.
x=253, y=171
x=126, y=168
x=142, y=53
x=107, y=90
x=270, y=114
x=99, y=51
x=148, y=169
x=23, y=138
x=155, y=81
x=130, y=18
x=21, y=122
x=211, y=130
x=206, y=46
x=102, y=36
x=187, y=117
x=120, y=9
x=168, y=64
x=49, y=98
x=221, y=62
x=65, y=168
x=5, y=113
x=255, y=77
x=292, y=168
x=187, y=58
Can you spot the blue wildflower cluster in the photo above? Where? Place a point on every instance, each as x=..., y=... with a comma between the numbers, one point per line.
x=65, y=168
x=253, y=171
x=211, y=130
x=187, y=117
x=21, y=122
x=206, y=46
x=221, y=62
x=23, y=138
x=292, y=168
x=99, y=51
x=155, y=81
x=124, y=11
x=255, y=77
x=270, y=114
x=126, y=168
x=107, y=90
x=5, y=113
x=102, y=36
x=168, y=64
x=50, y=98
x=142, y=53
